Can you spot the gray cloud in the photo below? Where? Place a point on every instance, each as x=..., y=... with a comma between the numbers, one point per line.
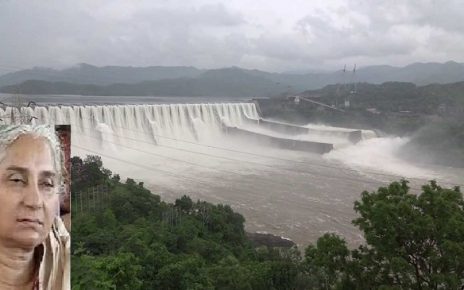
x=356, y=38
x=209, y=34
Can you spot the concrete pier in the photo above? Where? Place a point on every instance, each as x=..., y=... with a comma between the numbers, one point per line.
x=308, y=146
x=353, y=136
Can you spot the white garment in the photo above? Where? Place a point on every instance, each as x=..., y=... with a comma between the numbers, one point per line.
x=55, y=266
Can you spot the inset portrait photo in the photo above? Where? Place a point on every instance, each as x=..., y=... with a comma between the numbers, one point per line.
x=34, y=196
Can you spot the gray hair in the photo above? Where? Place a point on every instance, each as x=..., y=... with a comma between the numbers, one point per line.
x=10, y=133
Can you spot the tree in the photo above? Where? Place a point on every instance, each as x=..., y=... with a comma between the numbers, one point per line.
x=414, y=241
x=88, y=173
x=326, y=261
x=187, y=273
x=119, y=271
x=116, y=178
x=185, y=203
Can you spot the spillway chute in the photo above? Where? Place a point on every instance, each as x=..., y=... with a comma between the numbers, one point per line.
x=196, y=123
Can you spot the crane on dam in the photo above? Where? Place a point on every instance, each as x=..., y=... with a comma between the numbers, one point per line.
x=352, y=86
x=349, y=90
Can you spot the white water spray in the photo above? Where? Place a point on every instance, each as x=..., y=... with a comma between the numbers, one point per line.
x=378, y=155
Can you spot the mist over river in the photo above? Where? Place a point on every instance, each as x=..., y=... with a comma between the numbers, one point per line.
x=177, y=146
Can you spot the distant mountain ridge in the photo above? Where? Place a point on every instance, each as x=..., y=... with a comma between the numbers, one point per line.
x=189, y=81
x=89, y=74
x=235, y=85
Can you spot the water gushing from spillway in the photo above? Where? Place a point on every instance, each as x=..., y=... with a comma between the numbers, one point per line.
x=194, y=122
x=378, y=155
x=167, y=139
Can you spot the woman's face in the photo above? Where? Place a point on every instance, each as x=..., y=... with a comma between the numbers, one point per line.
x=28, y=192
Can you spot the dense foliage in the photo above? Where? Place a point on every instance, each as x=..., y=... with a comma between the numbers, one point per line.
x=133, y=240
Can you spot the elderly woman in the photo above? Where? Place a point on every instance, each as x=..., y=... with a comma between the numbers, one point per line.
x=34, y=244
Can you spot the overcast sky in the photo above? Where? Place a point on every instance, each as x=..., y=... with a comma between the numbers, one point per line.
x=271, y=35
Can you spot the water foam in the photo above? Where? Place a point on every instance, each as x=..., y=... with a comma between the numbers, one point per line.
x=378, y=155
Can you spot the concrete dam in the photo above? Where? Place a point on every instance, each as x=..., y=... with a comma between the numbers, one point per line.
x=277, y=175
x=188, y=122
